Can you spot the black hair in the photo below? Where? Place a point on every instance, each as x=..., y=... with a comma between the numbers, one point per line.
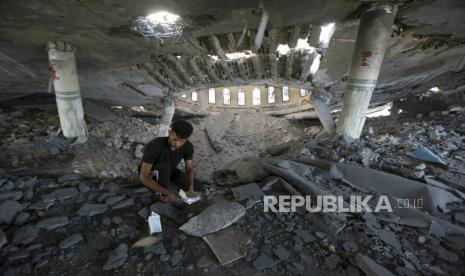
x=183, y=129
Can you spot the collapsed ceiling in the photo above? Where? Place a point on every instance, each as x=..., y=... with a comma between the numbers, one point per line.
x=216, y=45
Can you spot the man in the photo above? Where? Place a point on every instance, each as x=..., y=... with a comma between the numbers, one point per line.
x=162, y=155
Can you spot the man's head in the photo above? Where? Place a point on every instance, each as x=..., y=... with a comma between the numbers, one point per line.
x=179, y=133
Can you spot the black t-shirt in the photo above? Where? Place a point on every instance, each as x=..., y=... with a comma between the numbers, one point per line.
x=158, y=151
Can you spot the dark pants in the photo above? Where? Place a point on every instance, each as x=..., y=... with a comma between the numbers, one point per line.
x=166, y=176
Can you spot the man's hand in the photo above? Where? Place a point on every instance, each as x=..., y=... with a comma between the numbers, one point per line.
x=171, y=198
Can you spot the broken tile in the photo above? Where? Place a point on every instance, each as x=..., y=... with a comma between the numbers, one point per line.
x=228, y=245
x=216, y=217
x=247, y=191
x=90, y=209
x=263, y=262
x=370, y=267
x=53, y=223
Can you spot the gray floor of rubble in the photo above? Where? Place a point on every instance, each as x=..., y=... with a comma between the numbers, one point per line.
x=54, y=222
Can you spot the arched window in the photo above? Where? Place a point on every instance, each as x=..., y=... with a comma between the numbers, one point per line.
x=194, y=96
x=285, y=94
x=226, y=96
x=271, y=95
x=241, y=97
x=211, y=95
x=256, y=96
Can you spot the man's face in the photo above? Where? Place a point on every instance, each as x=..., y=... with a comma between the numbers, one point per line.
x=174, y=141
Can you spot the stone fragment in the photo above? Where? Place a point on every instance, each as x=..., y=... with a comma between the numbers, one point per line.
x=247, y=191
x=61, y=194
x=90, y=209
x=25, y=235
x=70, y=241
x=3, y=239
x=41, y=205
x=216, y=217
x=53, y=223
x=228, y=245
x=144, y=213
x=332, y=261
x=13, y=195
x=370, y=267
x=114, y=199
x=117, y=258
x=124, y=204
x=83, y=188
x=8, y=211
x=166, y=210
x=390, y=238
x=281, y=253
x=22, y=218
x=263, y=261
x=176, y=258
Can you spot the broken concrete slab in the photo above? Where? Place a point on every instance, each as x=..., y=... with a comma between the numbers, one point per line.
x=8, y=210
x=248, y=191
x=70, y=241
x=90, y=209
x=53, y=223
x=228, y=245
x=370, y=267
x=216, y=217
x=60, y=194
x=117, y=258
x=263, y=262
x=166, y=210
x=25, y=235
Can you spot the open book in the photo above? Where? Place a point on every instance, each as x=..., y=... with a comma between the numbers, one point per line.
x=189, y=198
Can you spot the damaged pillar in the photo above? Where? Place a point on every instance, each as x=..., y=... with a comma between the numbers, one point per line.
x=63, y=72
x=373, y=34
x=166, y=117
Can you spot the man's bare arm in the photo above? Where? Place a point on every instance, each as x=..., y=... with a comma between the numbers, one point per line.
x=190, y=174
x=146, y=179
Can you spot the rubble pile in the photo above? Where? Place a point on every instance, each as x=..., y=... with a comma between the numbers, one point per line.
x=54, y=220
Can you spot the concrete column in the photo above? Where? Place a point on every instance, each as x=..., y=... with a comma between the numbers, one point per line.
x=166, y=117
x=63, y=72
x=373, y=34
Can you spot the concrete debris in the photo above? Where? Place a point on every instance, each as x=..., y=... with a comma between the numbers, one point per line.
x=8, y=210
x=70, y=241
x=370, y=267
x=214, y=218
x=25, y=235
x=166, y=210
x=117, y=258
x=248, y=191
x=53, y=223
x=263, y=262
x=228, y=245
x=90, y=210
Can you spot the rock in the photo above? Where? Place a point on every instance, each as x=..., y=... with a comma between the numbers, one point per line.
x=306, y=237
x=460, y=217
x=166, y=210
x=138, y=152
x=390, y=238
x=25, y=235
x=124, y=204
x=117, y=258
x=3, y=239
x=53, y=223
x=41, y=205
x=437, y=229
x=90, y=210
x=8, y=211
x=114, y=199
x=83, y=188
x=370, y=267
x=332, y=261
x=205, y=261
x=28, y=195
x=19, y=255
x=141, y=190
x=421, y=239
x=350, y=247
x=70, y=241
x=106, y=221
x=281, y=253
x=22, y=218
x=165, y=258
x=144, y=213
x=117, y=220
x=216, y=217
x=111, y=187
x=61, y=194
x=69, y=178
x=157, y=249
x=176, y=258
x=248, y=191
x=14, y=195
x=263, y=261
